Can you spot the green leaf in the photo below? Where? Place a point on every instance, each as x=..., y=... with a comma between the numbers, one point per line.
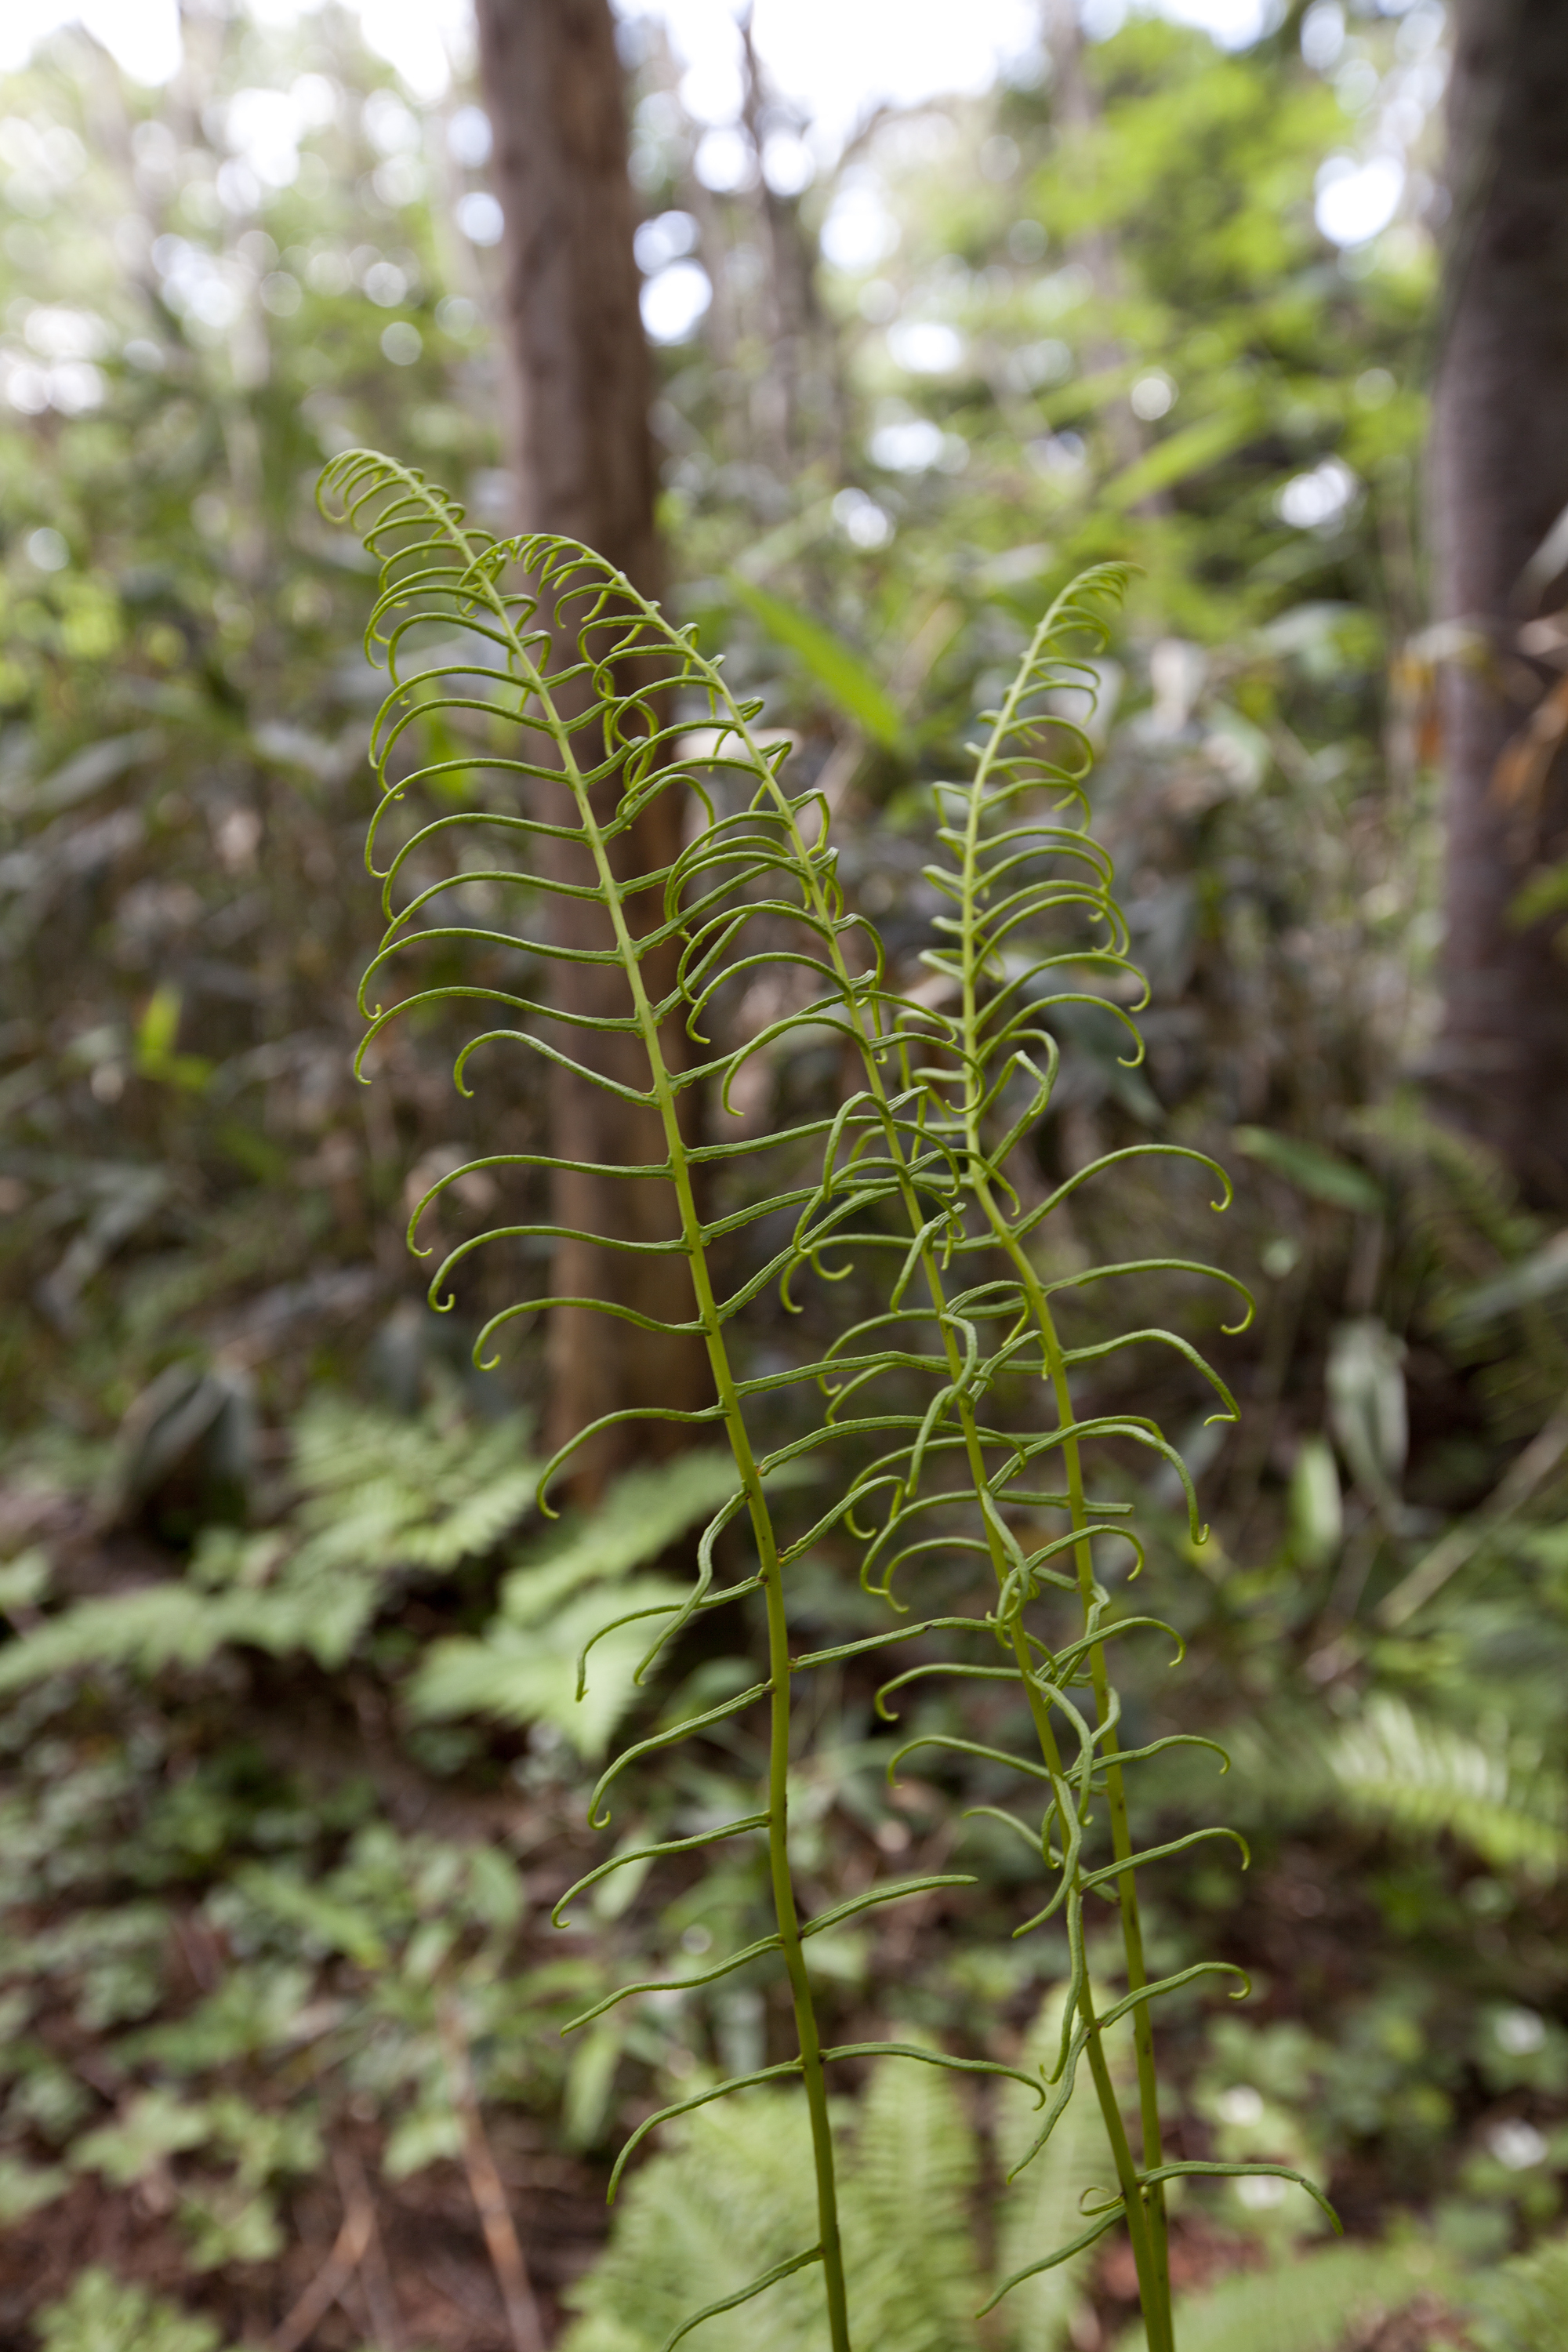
x=1181, y=454
x=256, y=2010
x=1523, y=2305
x=337, y=1926
x=24, y=1579
x=1545, y=893
x=158, y=1027
x=1368, y=1405
x=845, y=679
x=25, y=2187
x=1541, y=1275
x=591, y=2080
x=527, y=1672
x=155, y=1034
x=1318, y=1173
x=1317, y=1515
x=223, y=2221
x=426, y=2136
x=154, y=2126
x=103, y=2314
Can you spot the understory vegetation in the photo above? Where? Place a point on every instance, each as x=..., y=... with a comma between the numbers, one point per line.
x=295, y=1767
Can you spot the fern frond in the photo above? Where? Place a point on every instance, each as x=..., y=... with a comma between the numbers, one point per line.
x=705, y=2219
x=637, y=1519
x=910, y=2248
x=731, y=2200
x=1309, y=2305
x=1038, y=2200
x=1426, y=1777
x=527, y=1673
x=567, y=1598
x=383, y=1498
x=950, y=1417
x=1523, y=2305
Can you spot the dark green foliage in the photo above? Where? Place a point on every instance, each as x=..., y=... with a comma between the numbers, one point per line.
x=317, y=1926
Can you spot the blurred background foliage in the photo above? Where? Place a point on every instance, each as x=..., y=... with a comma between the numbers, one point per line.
x=293, y=1772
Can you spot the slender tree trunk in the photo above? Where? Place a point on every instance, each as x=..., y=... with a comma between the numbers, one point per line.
x=1076, y=115
x=1500, y=481
x=801, y=395
x=583, y=456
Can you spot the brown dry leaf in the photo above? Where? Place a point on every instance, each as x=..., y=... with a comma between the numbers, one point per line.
x=1521, y=766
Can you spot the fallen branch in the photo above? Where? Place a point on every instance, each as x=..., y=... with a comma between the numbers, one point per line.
x=1539, y=1459
x=375, y=2276
x=486, y=2188
x=348, y=2247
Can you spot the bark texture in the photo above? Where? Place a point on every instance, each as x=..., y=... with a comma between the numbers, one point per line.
x=1499, y=483
x=582, y=456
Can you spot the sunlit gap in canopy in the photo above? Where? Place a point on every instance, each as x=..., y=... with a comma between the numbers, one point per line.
x=833, y=56
x=423, y=39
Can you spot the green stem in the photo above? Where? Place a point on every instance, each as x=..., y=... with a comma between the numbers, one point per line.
x=786, y=1912
x=1157, y=2311
x=1145, y=2208
x=1142, y=2217
x=1146, y=2248
x=1154, y=2267
x=794, y=1963
x=1144, y=2212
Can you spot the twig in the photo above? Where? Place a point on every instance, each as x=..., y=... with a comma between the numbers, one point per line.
x=1445, y=1559
x=301, y=2322
x=489, y=2194
x=376, y=2277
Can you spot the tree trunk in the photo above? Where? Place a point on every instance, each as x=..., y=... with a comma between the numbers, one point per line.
x=1500, y=481
x=1075, y=114
x=800, y=397
x=583, y=457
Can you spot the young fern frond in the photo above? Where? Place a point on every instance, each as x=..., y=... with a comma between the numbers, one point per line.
x=947, y=1417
